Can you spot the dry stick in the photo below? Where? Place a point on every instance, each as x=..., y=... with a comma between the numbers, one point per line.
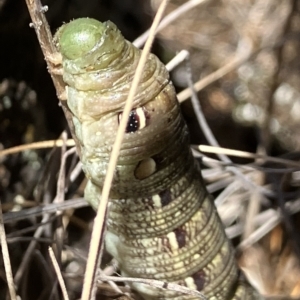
x=114, y=286
x=237, y=229
x=6, y=260
x=240, y=57
x=156, y=283
x=41, y=26
x=30, y=249
x=244, y=154
x=58, y=274
x=99, y=226
x=219, y=185
x=109, y=270
x=37, y=211
x=19, y=239
x=202, y=148
x=217, y=166
x=37, y=145
x=271, y=219
x=253, y=209
x=178, y=59
x=260, y=232
x=19, y=233
x=231, y=188
x=60, y=198
x=75, y=172
x=169, y=19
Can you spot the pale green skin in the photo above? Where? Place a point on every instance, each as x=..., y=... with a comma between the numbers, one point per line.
x=99, y=65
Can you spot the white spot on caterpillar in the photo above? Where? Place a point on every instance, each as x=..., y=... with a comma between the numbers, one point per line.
x=156, y=201
x=173, y=241
x=190, y=283
x=145, y=168
x=196, y=256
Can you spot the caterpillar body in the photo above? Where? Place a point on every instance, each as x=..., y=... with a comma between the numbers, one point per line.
x=162, y=223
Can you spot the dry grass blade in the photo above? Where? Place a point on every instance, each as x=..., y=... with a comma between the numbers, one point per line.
x=6, y=260
x=169, y=19
x=98, y=228
x=244, y=154
x=178, y=59
x=59, y=275
x=156, y=283
x=252, y=210
x=37, y=211
x=243, y=53
x=259, y=233
x=29, y=251
x=60, y=197
x=41, y=26
x=37, y=145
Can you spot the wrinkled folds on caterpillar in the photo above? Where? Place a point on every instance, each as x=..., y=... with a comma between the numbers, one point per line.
x=162, y=223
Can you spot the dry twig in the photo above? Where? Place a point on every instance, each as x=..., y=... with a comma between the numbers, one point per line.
x=6, y=260
x=58, y=273
x=169, y=19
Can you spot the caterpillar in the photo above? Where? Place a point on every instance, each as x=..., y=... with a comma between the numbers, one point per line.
x=162, y=223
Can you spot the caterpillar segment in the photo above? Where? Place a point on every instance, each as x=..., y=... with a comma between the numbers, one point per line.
x=162, y=223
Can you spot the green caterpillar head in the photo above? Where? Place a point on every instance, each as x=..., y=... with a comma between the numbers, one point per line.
x=87, y=44
x=79, y=37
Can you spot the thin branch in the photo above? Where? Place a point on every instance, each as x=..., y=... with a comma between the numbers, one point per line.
x=37, y=145
x=75, y=172
x=58, y=274
x=6, y=260
x=60, y=197
x=41, y=26
x=260, y=232
x=252, y=210
x=244, y=52
x=158, y=284
x=244, y=154
x=265, y=221
x=30, y=249
x=38, y=211
x=178, y=59
x=171, y=17
x=23, y=231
